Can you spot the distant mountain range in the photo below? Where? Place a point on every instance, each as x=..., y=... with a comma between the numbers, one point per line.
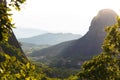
x=27, y=32
x=28, y=48
x=74, y=52
x=50, y=38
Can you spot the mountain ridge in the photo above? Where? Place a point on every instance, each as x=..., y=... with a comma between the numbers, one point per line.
x=82, y=49
x=27, y=32
x=50, y=38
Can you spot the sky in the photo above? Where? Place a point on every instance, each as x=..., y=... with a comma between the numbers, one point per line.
x=66, y=16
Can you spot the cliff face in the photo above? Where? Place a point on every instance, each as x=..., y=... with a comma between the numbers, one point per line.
x=85, y=47
x=90, y=44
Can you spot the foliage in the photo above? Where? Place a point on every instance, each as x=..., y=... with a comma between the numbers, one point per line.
x=13, y=51
x=101, y=67
x=111, y=44
x=13, y=69
x=5, y=22
x=54, y=72
x=6, y=18
x=105, y=66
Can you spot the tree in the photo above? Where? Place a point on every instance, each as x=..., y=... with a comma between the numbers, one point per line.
x=6, y=18
x=105, y=66
x=12, y=69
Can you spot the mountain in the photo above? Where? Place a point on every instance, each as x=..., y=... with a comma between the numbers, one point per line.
x=50, y=38
x=29, y=48
x=27, y=32
x=13, y=48
x=73, y=53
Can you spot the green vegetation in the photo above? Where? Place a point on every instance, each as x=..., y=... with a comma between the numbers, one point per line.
x=6, y=18
x=13, y=51
x=105, y=66
x=28, y=48
x=12, y=69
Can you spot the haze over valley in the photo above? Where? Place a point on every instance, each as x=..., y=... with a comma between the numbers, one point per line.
x=81, y=49
x=60, y=40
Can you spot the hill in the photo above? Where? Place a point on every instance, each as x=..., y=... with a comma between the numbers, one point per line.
x=13, y=48
x=27, y=32
x=29, y=48
x=73, y=53
x=50, y=38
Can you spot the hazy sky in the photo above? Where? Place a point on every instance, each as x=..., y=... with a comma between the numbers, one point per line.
x=65, y=16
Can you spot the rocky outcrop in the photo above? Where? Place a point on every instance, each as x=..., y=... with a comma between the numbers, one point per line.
x=90, y=44
x=87, y=46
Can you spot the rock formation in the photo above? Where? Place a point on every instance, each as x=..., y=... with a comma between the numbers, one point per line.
x=85, y=47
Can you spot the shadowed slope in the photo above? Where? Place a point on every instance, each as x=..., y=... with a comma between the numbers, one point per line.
x=85, y=47
x=90, y=44
x=13, y=48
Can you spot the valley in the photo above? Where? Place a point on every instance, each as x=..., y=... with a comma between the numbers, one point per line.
x=65, y=56
x=72, y=53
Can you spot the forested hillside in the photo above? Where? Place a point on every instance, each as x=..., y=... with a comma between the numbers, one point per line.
x=75, y=52
x=105, y=66
x=50, y=38
x=15, y=66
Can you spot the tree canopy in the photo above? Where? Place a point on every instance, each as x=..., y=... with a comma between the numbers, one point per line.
x=6, y=18
x=105, y=66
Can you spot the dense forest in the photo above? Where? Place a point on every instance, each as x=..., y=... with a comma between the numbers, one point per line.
x=14, y=65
